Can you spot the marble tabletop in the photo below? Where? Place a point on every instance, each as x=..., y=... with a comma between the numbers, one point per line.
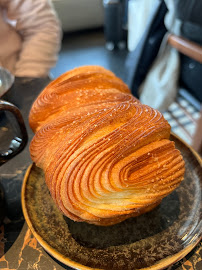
x=18, y=247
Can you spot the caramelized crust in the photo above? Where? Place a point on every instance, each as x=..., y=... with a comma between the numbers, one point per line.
x=106, y=156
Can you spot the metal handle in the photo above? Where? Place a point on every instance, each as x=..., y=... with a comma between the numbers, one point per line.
x=17, y=144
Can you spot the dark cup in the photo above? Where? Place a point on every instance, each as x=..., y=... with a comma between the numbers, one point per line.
x=16, y=144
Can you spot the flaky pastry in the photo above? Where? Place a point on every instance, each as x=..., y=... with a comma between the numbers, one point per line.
x=106, y=157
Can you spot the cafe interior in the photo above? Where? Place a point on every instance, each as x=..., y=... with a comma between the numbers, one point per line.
x=155, y=48
x=94, y=37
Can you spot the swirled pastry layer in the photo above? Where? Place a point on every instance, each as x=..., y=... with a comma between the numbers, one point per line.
x=106, y=156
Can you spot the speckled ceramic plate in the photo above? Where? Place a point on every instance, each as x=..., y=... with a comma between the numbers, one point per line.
x=152, y=241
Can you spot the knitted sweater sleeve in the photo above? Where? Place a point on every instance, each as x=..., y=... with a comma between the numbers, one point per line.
x=40, y=30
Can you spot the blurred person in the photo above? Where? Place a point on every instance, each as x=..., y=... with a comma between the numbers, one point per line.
x=30, y=37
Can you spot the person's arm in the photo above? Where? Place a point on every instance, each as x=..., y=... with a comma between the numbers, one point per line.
x=40, y=30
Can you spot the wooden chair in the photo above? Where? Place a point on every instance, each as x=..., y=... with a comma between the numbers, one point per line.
x=194, y=51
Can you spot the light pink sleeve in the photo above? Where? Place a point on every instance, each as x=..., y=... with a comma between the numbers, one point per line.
x=40, y=30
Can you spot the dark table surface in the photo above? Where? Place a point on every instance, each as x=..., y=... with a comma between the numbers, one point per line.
x=18, y=247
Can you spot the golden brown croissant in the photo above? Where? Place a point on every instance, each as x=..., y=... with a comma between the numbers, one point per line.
x=106, y=157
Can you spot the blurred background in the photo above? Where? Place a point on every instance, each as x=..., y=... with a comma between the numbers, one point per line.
x=128, y=37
